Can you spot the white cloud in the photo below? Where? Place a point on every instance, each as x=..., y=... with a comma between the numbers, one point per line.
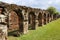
x=8, y=1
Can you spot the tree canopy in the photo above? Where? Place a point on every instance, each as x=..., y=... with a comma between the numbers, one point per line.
x=52, y=10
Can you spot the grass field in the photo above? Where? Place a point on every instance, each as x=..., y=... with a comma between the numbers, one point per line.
x=51, y=31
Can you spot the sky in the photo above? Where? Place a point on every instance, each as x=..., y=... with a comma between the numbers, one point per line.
x=42, y=4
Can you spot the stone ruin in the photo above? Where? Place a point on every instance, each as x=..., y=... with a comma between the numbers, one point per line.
x=3, y=25
x=22, y=18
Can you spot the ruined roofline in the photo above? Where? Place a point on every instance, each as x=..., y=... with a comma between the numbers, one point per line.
x=16, y=7
x=4, y=4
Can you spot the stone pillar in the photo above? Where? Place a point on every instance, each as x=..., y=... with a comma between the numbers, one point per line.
x=42, y=20
x=46, y=18
x=25, y=22
x=36, y=20
x=50, y=18
x=3, y=25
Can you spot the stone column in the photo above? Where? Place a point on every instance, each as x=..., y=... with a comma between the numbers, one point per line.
x=48, y=17
x=25, y=22
x=36, y=20
x=42, y=20
x=3, y=26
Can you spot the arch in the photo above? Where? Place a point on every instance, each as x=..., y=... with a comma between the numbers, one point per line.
x=44, y=18
x=40, y=19
x=54, y=16
x=2, y=9
x=16, y=21
x=48, y=16
x=31, y=22
x=21, y=18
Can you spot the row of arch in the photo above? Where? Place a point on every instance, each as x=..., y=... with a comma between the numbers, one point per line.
x=26, y=21
x=22, y=19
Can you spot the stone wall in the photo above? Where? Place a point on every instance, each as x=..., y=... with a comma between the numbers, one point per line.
x=3, y=25
x=22, y=18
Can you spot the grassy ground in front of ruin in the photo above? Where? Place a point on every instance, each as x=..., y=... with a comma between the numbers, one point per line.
x=51, y=31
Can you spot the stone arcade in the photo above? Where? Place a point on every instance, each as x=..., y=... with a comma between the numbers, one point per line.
x=22, y=18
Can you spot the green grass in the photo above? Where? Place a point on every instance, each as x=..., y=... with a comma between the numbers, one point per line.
x=51, y=31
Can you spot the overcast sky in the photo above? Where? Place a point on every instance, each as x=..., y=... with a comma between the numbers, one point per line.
x=43, y=4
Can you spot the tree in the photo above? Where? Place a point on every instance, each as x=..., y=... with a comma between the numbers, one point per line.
x=56, y=12
x=52, y=10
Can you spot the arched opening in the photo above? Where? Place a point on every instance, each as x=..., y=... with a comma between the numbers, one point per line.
x=2, y=10
x=20, y=16
x=16, y=21
x=54, y=16
x=31, y=18
x=48, y=16
x=40, y=19
x=44, y=18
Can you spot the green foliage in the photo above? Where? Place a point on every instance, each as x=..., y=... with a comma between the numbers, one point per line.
x=56, y=12
x=52, y=10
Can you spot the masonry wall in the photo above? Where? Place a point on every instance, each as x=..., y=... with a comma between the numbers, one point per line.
x=22, y=18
